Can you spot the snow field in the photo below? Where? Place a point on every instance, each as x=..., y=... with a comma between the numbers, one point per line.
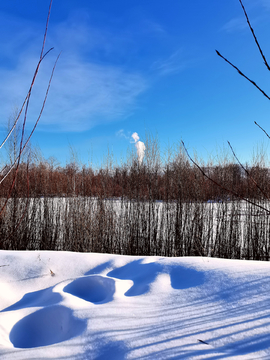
x=61, y=305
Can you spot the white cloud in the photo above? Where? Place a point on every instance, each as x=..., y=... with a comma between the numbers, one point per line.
x=84, y=92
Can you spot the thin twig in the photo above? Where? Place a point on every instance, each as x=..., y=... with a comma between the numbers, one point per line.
x=222, y=187
x=29, y=91
x=248, y=173
x=27, y=198
x=46, y=30
x=28, y=139
x=254, y=36
x=242, y=74
x=25, y=101
x=26, y=104
x=262, y=129
x=27, y=98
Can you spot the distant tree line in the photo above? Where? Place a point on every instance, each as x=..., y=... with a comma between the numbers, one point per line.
x=177, y=179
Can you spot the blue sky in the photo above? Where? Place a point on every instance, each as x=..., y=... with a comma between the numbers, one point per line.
x=137, y=66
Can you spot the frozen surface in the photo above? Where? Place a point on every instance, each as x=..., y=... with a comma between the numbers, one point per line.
x=61, y=305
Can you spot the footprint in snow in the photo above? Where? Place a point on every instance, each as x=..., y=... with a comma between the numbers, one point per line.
x=48, y=326
x=95, y=288
x=56, y=323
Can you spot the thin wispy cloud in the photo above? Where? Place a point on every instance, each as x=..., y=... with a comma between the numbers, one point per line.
x=235, y=25
x=83, y=92
x=253, y=9
x=154, y=27
x=122, y=134
x=252, y=4
x=174, y=63
x=266, y=4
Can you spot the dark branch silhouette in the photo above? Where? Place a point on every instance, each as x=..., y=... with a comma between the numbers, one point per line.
x=242, y=74
x=221, y=186
x=262, y=129
x=260, y=50
x=248, y=173
x=254, y=36
x=26, y=105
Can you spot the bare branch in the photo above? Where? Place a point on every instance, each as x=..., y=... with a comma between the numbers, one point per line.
x=28, y=139
x=29, y=91
x=240, y=72
x=254, y=36
x=262, y=129
x=222, y=187
x=248, y=173
x=46, y=30
x=26, y=104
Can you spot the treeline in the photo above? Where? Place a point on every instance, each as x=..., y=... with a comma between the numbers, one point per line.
x=150, y=180
x=115, y=209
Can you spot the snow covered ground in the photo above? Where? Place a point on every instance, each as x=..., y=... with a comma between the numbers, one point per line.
x=61, y=305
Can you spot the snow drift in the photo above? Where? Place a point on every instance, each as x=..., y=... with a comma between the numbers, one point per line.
x=61, y=305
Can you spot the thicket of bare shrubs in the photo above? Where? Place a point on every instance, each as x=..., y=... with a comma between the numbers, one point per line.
x=159, y=207
x=170, y=181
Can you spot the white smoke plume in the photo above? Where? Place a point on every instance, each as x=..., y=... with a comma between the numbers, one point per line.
x=139, y=146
